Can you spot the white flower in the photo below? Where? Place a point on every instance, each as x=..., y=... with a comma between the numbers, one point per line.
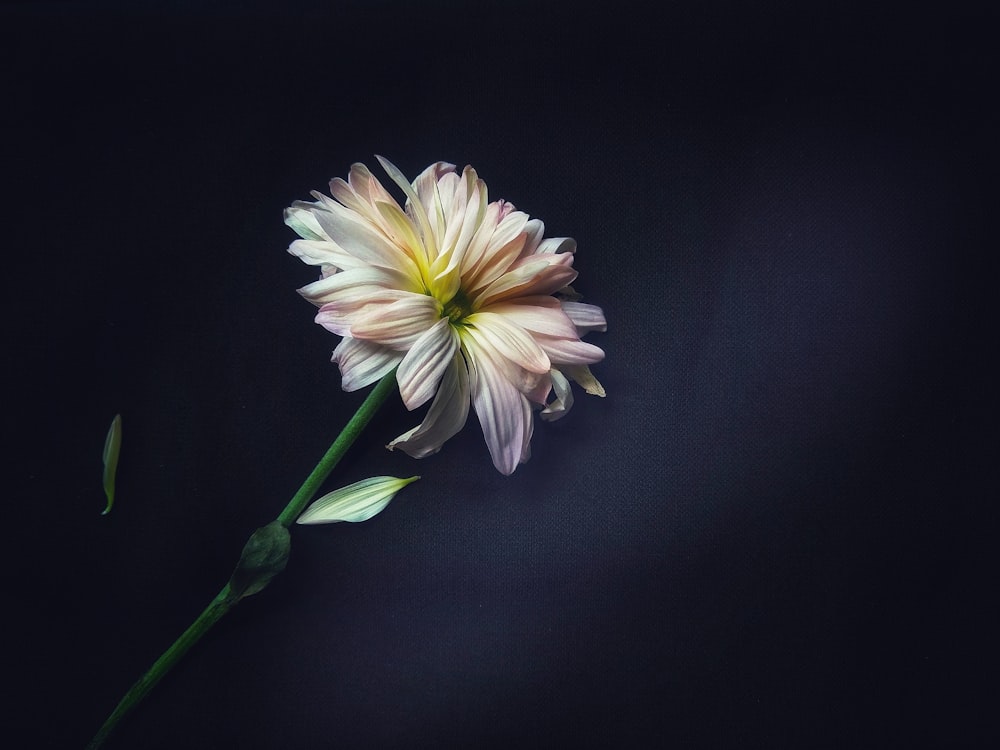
x=455, y=292
x=355, y=502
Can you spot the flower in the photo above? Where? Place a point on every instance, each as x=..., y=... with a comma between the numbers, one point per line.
x=457, y=293
x=355, y=502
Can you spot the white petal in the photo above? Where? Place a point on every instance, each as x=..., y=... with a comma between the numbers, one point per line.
x=356, y=502
x=556, y=245
x=445, y=418
x=508, y=340
x=537, y=276
x=570, y=351
x=322, y=253
x=351, y=284
x=300, y=217
x=399, y=324
x=361, y=362
x=503, y=411
x=563, y=401
x=422, y=367
x=362, y=240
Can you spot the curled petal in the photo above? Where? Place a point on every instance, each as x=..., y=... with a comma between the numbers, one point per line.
x=362, y=362
x=445, y=418
x=563, y=402
x=300, y=217
x=355, y=502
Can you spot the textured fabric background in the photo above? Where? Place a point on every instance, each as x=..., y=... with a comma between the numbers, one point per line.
x=775, y=531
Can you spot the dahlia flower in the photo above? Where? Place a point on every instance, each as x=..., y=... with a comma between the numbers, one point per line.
x=456, y=293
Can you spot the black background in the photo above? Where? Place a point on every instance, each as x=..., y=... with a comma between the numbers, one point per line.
x=776, y=529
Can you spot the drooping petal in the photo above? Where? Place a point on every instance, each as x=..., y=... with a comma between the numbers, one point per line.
x=582, y=375
x=354, y=503
x=445, y=418
x=502, y=410
x=362, y=362
x=421, y=369
x=563, y=402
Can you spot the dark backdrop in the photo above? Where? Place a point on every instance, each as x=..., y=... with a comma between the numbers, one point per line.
x=775, y=530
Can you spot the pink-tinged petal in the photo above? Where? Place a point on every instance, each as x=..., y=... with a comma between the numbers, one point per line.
x=586, y=318
x=427, y=182
x=445, y=418
x=508, y=340
x=533, y=232
x=503, y=411
x=422, y=367
x=362, y=240
x=536, y=278
x=401, y=231
x=367, y=185
x=339, y=315
x=348, y=285
x=504, y=247
x=399, y=324
x=538, y=314
x=361, y=363
x=557, y=246
x=563, y=402
x=569, y=351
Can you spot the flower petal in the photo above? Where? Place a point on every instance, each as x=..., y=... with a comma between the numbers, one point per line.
x=503, y=411
x=355, y=502
x=569, y=351
x=509, y=340
x=362, y=362
x=585, y=317
x=362, y=240
x=421, y=369
x=445, y=418
x=400, y=324
x=537, y=276
x=582, y=375
x=538, y=314
x=563, y=402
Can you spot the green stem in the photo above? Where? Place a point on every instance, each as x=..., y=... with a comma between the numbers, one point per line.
x=225, y=599
x=336, y=451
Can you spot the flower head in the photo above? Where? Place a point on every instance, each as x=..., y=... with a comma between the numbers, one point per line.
x=457, y=293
